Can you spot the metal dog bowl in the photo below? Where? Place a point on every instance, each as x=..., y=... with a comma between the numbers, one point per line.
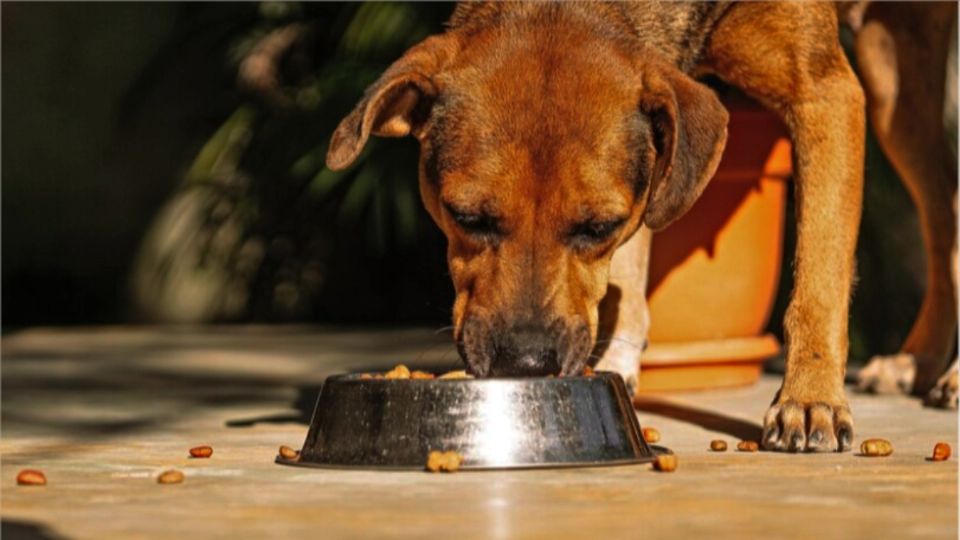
x=492, y=423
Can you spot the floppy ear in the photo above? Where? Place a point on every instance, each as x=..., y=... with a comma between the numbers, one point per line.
x=397, y=104
x=690, y=127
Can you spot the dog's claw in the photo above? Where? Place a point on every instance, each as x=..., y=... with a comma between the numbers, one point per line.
x=815, y=438
x=944, y=393
x=770, y=437
x=791, y=426
x=846, y=438
x=797, y=442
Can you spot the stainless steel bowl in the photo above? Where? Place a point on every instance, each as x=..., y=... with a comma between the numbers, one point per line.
x=492, y=423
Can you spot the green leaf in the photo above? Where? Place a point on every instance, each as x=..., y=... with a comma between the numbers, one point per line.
x=222, y=152
x=358, y=196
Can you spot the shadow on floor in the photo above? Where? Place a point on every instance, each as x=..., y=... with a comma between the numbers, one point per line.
x=303, y=405
x=306, y=399
x=709, y=420
x=302, y=411
x=25, y=530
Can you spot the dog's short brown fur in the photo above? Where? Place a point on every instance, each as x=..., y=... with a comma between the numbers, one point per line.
x=901, y=54
x=552, y=132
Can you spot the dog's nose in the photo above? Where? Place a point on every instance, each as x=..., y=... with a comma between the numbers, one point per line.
x=525, y=352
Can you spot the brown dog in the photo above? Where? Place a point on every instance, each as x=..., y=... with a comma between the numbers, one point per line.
x=552, y=133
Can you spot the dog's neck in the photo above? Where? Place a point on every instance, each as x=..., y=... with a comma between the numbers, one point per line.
x=676, y=30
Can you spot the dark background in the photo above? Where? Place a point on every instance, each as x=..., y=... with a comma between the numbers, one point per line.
x=154, y=170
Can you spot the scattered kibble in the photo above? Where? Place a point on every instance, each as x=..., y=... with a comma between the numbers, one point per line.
x=718, y=446
x=876, y=448
x=438, y=461
x=941, y=452
x=399, y=372
x=588, y=371
x=462, y=374
x=748, y=446
x=665, y=463
x=31, y=477
x=422, y=375
x=288, y=453
x=171, y=476
x=651, y=435
x=201, y=451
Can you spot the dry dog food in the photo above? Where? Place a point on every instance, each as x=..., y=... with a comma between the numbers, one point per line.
x=288, y=453
x=588, y=371
x=748, y=446
x=941, y=452
x=171, y=476
x=438, y=461
x=462, y=374
x=651, y=435
x=876, y=448
x=201, y=451
x=403, y=372
x=399, y=372
x=31, y=477
x=665, y=463
x=718, y=446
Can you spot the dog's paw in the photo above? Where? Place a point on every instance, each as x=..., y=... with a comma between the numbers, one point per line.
x=816, y=426
x=944, y=393
x=623, y=356
x=892, y=374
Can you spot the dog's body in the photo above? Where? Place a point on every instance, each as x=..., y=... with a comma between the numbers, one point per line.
x=554, y=135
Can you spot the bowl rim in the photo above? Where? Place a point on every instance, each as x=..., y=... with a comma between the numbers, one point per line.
x=655, y=450
x=355, y=377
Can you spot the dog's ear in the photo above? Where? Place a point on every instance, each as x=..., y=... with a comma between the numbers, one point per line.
x=397, y=104
x=690, y=130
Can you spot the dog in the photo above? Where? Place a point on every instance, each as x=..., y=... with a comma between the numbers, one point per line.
x=555, y=137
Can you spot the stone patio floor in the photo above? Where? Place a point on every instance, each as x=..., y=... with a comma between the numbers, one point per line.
x=102, y=410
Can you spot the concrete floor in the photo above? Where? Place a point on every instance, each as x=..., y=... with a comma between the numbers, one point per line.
x=102, y=411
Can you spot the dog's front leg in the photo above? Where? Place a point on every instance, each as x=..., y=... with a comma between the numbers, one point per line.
x=624, y=316
x=768, y=50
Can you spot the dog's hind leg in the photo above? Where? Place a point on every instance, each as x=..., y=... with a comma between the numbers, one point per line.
x=902, y=54
x=624, y=316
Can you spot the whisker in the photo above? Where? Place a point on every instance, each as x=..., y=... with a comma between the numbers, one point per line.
x=429, y=349
x=620, y=340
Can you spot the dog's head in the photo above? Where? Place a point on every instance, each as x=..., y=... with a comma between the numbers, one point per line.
x=542, y=151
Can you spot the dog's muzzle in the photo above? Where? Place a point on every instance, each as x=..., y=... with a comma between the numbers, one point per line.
x=523, y=350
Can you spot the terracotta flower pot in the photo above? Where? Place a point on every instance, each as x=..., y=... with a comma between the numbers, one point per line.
x=714, y=272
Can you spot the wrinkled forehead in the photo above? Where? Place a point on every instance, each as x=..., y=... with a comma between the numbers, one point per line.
x=530, y=111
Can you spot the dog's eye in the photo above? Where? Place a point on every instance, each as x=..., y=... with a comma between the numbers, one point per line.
x=590, y=233
x=477, y=224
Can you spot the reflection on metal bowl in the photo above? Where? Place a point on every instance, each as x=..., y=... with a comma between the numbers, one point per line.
x=493, y=423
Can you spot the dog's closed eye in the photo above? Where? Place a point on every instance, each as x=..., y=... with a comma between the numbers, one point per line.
x=483, y=225
x=593, y=232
